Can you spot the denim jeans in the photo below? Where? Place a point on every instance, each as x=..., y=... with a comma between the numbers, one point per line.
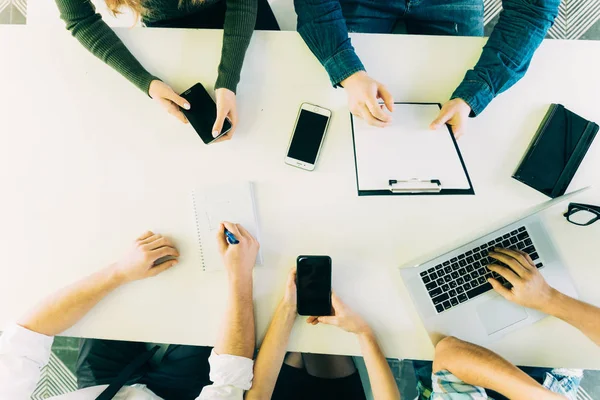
x=521, y=27
x=421, y=17
x=213, y=17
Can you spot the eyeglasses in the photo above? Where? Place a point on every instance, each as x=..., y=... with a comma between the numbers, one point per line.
x=582, y=214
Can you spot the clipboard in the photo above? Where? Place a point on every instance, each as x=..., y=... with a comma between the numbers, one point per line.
x=407, y=158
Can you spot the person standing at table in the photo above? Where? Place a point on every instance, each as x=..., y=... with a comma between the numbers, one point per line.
x=108, y=369
x=324, y=26
x=290, y=376
x=463, y=370
x=238, y=18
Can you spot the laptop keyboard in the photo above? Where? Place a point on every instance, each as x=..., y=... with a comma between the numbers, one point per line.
x=465, y=276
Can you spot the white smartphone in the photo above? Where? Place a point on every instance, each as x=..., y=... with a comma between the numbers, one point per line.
x=309, y=131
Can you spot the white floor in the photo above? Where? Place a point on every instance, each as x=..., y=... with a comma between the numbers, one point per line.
x=41, y=12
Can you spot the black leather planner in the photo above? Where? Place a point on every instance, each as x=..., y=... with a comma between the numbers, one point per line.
x=557, y=149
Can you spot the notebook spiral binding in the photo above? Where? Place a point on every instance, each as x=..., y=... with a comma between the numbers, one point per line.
x=198, y=235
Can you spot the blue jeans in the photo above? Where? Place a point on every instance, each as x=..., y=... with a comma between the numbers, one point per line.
x=421, y=17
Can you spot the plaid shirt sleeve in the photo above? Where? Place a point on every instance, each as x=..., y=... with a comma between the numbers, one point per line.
x=564, y=382
x=446, y=386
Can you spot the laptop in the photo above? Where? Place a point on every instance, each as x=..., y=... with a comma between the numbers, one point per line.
x=451, y=292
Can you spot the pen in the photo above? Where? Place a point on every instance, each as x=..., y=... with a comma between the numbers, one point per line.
x=231, y=239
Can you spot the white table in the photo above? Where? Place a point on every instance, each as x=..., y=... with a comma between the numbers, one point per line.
x=87, y=163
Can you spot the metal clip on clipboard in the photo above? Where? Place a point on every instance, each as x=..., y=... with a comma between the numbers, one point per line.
x=415, y=186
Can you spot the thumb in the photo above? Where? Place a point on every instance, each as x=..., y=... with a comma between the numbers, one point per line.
x=162, y=267
x=503, y=291
x=442, y=118
x=336, y=302
x=177, y=99
x=216, y=131
x=330, y=320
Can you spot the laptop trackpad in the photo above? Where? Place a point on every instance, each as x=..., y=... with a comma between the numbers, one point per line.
x=498, y=313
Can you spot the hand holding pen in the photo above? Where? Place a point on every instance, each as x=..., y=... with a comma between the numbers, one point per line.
x=238, y=249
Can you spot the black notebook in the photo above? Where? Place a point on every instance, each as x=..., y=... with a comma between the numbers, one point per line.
x=557, y=149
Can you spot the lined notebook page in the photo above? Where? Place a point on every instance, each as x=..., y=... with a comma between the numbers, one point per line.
x=407, y=149
x=212, y=204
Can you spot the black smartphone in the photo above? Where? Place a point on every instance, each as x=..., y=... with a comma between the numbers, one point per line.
x=203, y=113
x=313, y=285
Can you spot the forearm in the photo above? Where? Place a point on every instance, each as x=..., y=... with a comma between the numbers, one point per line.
x=506, y=56
x=240, y=19
x=65, y=308
x=382, y=380
x=237, y=333
x=478, y=366
x=583, y=316
x=272, y=353
x=323, y=28
x=95, y=35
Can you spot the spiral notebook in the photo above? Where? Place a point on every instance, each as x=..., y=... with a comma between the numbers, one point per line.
x=232, y=202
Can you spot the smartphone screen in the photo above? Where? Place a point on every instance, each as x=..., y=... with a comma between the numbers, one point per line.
x=313, y=281
x=308, y=135
x=203, y=112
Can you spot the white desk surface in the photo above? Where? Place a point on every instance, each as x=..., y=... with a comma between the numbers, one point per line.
x=87, y=163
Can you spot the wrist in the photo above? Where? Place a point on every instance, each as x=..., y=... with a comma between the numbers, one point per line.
x=475, y=93
x=151, y=86
x=463, y=103
x=348, y=81
x=537, y=391
x=240, y=281
x=366, y=340
x=551, y=302
x=286, y=308
x=115, y=275
x=366, y=333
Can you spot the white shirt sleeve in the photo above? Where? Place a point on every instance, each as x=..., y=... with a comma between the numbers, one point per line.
x=23, y=353
x=231, y=376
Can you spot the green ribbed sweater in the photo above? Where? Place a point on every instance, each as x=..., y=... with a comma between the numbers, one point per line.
x=88, y=27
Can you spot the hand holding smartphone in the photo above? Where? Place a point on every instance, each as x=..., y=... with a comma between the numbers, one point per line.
x=313, y=281
x=203, y=113
x=307, y=139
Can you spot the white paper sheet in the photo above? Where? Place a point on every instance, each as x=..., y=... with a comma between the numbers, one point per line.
x=407, y=149
x=216, y=203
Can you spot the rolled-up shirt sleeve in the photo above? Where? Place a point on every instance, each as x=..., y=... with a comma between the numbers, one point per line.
x=322, y=25
x=23, y=353
x=230, y=377
x=520, y=30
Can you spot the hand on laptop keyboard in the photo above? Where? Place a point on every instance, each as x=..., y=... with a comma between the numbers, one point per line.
x=465, y=276
x=529, y=288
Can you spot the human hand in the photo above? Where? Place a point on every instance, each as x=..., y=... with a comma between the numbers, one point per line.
x=239, y=259
x=529, y=288
x=454, y=113
x=363, y=94
x=343, y=317
x=140, y=261
x=168, y=99
x=226, y=107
